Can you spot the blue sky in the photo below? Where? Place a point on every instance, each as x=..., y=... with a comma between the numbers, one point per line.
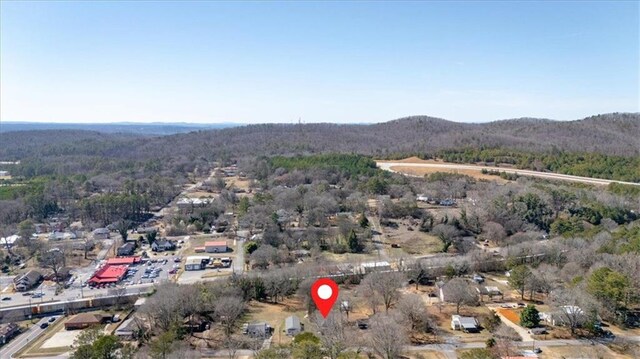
x=323, y=62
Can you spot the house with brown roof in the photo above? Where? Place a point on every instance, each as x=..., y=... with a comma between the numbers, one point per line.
x=86, y=320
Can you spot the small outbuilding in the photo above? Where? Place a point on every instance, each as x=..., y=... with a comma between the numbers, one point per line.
x=293, y=326
x=257, y=330
x=101, y=233
x=466, y=324
x=216, y=247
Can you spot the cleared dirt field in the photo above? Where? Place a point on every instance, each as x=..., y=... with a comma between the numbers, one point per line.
x=421, y=171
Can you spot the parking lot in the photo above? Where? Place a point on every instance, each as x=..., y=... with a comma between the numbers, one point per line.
x=154, y=270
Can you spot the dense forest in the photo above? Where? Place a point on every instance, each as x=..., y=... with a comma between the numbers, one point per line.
x=58, y=167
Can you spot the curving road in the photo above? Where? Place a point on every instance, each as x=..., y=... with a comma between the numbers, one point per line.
x=546, y=175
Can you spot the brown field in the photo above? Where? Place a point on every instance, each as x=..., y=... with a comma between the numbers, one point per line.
x=421, y=171
x=418, y=171
x=582, y=352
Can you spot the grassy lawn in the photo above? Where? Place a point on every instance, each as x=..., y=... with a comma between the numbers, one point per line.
x=275, y=314
x=442, y=315
x=35, y=350
x=583, y=352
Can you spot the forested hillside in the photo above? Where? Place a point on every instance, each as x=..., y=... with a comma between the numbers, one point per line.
x=613, y=137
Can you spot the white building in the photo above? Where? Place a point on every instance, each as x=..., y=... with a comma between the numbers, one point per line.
x=374, y=267
x=9, y=241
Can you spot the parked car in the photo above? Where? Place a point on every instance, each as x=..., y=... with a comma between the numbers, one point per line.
x=6, y=298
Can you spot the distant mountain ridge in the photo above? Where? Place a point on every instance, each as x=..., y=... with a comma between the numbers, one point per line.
x=153, y=128
x=610, y=134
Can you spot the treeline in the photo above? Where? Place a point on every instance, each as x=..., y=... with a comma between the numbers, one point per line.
x=351, y=165
x=577, y=164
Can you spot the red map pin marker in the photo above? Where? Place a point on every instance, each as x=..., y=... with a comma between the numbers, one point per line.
x=324, y=293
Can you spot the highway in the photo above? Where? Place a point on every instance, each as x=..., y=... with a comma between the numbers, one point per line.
x=388, y=166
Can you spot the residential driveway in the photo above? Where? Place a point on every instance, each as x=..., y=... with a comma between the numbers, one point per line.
x=526, y=337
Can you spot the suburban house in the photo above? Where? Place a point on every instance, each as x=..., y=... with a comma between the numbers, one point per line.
x=100, y=233
x=61, y=236
x=9, y=241
x=128, y=329
x=195, y=324
x=145, y=230
x=184, y=203
x=490, y=292
x=466, y=324
x=63, y=274
x=8, y=331
x=292, y=325
x=562, y=316
x=215, y=247
x=127, y=249
x=42, y=228
x=86, y=320
x=447, y=202
x=27, y=281
x=195, y=263
x=257, y=330
x=163, y=245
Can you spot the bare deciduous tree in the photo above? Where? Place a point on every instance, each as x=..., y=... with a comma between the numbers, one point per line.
x=333, y=335
x=459, y=292
x=385, y=285
x=229, y=310
x=387, y=337
x=412, y=308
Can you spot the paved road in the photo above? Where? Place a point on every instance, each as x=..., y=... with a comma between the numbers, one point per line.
x=378, y=238
x=22, y=340
x=238, y=262
x=546, y=175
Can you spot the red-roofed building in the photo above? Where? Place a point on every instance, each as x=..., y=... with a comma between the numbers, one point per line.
x=216, y=246
x=109, y=274
x=123, y=260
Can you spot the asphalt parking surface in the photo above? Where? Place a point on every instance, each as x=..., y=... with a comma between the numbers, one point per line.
x=144, y=273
